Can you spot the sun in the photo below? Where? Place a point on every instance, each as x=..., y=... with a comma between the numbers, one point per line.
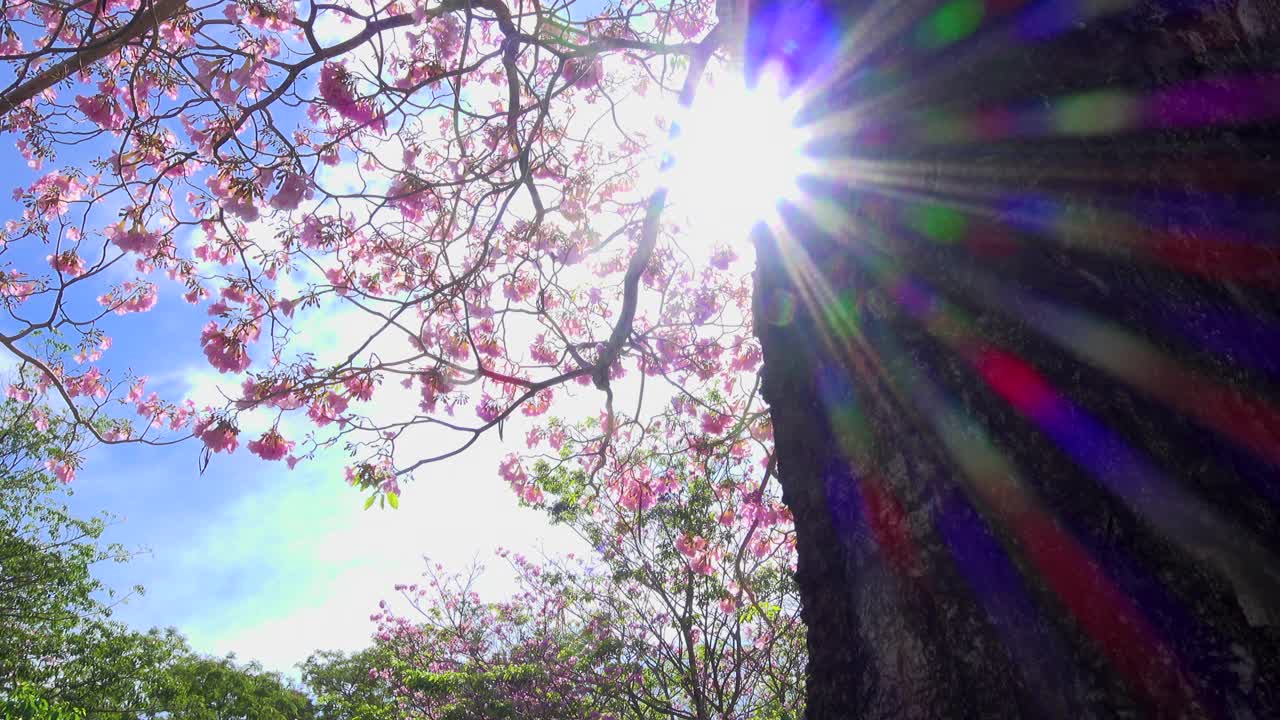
x=737, y=157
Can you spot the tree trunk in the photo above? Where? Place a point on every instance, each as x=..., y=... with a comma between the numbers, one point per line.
x=1022, y=360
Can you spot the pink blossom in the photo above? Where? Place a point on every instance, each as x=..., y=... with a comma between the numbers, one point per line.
x=531, y=494
x=697, y=550
x=446, y=31
x=556, y=438
x=762, y=547
x=511, y=471
x=271, y=446
x=294, y=188
x=714, y=423
x=102, y=110
x=327, y=409
x=488, y=409
x=131, y=297
x=412, y=198
x=67, y=263
x=135, y=392
x=236, y=194
x=64, y=471
x=360, y=387
x=224, y=352
x=337, y=88
x=702, y=565
x=53, y=193
x=389, y=485
x=722, y=257
x=219, y=437
x=176, y=36
x=689, y=546
x=338, y=278
x=584, y=73
x=135, y=239
x=88, y=384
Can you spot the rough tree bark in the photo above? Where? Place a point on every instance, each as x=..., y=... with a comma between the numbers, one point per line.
x=927, y=594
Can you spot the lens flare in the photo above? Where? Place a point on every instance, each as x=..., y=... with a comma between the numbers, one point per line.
x=737, y=155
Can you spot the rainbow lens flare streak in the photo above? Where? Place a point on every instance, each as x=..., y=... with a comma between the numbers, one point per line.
x=1036, y=251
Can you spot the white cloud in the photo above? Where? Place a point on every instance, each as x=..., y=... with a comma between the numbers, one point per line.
x=302, y=565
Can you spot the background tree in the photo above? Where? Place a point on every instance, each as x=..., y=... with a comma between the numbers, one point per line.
x=204, y=688
x=25, y=702
x=685, y=608
x=347, y=687
x=57, y=635
x=61, y=656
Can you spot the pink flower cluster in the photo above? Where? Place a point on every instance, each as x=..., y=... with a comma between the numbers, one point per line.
x=446, y=32
x=271, y=445
x=265, y=391
x=380, y=475
x=527, y=490
x=102, y=109
x=225, y=350
x=412, y=198
x=61, y=469
x=489, y=408
x=51, y=194
x=136, y=239
x=294, y=188
x=16, y=285
x=218, y=435
x=236, y=194
x=697, y=549
x=714, y=423
x=641, y=490
x=360, y=387
x=328, y=408
x=87, y=384
x=68, y=263
x=271, y=16
x=131, y=297
x=584, y=73
x=337, y=89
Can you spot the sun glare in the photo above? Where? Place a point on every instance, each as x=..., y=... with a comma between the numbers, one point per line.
x=738, y=155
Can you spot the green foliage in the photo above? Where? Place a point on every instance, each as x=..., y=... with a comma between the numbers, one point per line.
x=61, y=656
x=200, y=688
x=476, y=692
x=343, y=689
x=25, y=702
x=54, y=626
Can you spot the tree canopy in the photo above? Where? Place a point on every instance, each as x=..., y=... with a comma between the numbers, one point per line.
x=472, y=188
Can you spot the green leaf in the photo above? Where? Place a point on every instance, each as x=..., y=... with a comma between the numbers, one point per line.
x=394, y=499
x=369, y=503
